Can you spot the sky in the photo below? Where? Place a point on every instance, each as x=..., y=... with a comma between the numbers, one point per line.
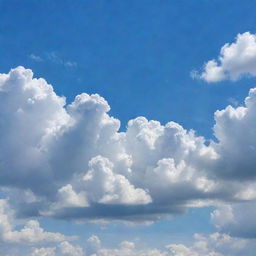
x=127, y=128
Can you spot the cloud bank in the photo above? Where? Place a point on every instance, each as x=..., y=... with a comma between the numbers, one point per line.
x=32, y=240
x=71, y=161
x=215, y=244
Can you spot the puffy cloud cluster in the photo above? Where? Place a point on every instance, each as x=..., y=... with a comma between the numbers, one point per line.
x=32, y=240
x=236, y=219
x=215, y=244
x=64, y=248
x=15, y=241
x=127, y=248
x=43, y=251
x=32, y=233
x=235, y=60
x=68, y=249
x=71, y=161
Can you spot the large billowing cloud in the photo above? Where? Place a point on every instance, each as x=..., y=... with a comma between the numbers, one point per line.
x=235, y=60
x=71, y=161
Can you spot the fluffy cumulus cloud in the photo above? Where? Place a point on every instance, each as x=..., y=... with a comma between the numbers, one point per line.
x=235, y=130
x=71, y=160
x=68, y=249
x=127, y=248
x=215, y=244
x=104, y=186
x=73, y=157
x=24, y=241
x=235, y=60
x=43, y=252
x=31, y=233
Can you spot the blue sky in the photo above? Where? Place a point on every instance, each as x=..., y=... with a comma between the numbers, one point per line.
x=137, y=54
x=140, y=56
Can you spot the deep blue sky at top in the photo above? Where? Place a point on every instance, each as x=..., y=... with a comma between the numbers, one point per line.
x=138, y=54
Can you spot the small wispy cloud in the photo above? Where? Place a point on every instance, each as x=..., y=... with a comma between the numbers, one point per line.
x=35, y=57
x=194, y=74
x=234, y=102
x=70, y=64
x=54, y=58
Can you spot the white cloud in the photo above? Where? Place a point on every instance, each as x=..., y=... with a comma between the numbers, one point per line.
x=43, y=251
x=93, y=244
x=127, y=248
x=215, y=244
x=22, y=241
x=212, y=72
x=55, y=58
x=72, y=148
x=236, y=219
x=67, y=249
x=104, y=186
x=35, y=57
x=31, y=233
x=71, y=161
x=235, y=60
x=235, y=130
